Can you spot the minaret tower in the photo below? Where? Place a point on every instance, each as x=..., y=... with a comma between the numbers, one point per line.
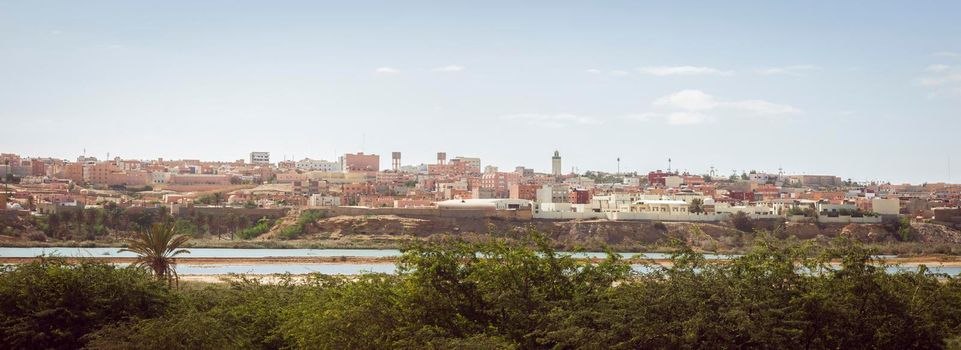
x=556, y=164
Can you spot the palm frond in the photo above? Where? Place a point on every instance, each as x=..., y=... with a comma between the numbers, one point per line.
x=156, y=248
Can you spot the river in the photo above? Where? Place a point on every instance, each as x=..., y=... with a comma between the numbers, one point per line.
x=345, y=268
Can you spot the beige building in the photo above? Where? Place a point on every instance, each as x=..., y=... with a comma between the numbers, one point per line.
x=886, y=206
x=660, y=206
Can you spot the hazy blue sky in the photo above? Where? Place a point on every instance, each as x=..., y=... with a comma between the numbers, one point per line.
x=867, y=90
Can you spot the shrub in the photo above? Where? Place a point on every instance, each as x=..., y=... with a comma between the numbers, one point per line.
x=245, y=314
x=660, y=226
x=260, y=228
x=904, y=229
x=306, y=218
x=185, y=227
x=501, y=294
x=51, y=304
x=37, y=236
x=742, y=222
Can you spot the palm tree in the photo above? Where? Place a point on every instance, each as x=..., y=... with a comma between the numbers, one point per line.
x=156, y=248
x=696, y=206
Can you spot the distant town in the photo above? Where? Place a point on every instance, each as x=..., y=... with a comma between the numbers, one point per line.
x=357, y=181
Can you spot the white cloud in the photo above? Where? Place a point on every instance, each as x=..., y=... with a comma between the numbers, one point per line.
x=559, y=120
x=761, y=107
x=937, y=68
x=671, y=118
x=941, y=80
x=795, y=70
x=642, y=117
x=690, y=100
x=692, y=107
x=593, y=71
x=683, y=70
x=386, y=70
x=685, y=118
x=696, y=100
x=449, y=69
x=947, y=54
x=940, y=74
x=944, y=80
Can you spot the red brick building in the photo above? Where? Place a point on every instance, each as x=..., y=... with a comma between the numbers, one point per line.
x=499, y=182
x=524, y=191
x=579, y=196
x=361, y=162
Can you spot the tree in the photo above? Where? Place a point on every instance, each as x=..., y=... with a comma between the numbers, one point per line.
x=218, y=198
x=696, y=206
x=51, y=303
x=904, y=229
x=53, y=225
x=156, y=248
x=742, y=222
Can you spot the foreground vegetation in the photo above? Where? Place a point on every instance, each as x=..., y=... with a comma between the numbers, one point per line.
x=497, y=295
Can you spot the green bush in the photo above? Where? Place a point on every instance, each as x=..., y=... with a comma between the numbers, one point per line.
x=501, y=295
x=52, y=304
x=186, y=227
x=305, y=219
x=904, y=229
x=245, y=314
x=260, y=228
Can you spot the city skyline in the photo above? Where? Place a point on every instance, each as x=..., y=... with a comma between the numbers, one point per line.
x=565, y=169
x=868, y=93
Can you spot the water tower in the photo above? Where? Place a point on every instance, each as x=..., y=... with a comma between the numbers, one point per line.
x=395, y=160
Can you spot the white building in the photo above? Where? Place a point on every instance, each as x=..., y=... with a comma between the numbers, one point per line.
x=828, y=208
x=414, y=169
x=752, y=210
x=631, y=181
x=660, y=206
x=259, y=157
x=618, y=201
x=317, y=200
x=493, y=203
x=308, y=164
x=763, y=178
x=552, y=194
x=581, y=182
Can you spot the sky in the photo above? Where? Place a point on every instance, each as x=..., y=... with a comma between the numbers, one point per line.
x=861, y=90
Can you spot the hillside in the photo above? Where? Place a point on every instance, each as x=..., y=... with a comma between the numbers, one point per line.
x=378, y=231
x=595, y=234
